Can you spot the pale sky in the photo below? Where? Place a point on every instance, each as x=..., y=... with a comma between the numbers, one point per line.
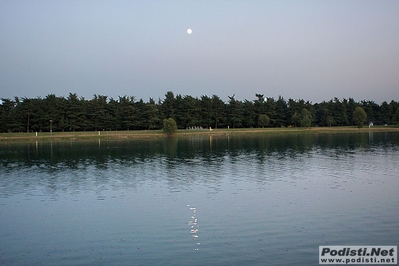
x=311, y=50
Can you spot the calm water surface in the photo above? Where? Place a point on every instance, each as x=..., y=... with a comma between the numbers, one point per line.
x=261, y=200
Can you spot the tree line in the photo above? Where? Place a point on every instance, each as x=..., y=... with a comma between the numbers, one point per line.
x=74, y=113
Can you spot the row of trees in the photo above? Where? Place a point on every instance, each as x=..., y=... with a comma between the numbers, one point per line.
x=75, y=113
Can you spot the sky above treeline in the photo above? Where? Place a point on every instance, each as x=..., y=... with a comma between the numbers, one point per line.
x=311, y=50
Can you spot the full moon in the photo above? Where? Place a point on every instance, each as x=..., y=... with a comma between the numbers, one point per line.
x=189, y=31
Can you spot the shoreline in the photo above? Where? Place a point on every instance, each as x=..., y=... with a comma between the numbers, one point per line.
x=154, y=134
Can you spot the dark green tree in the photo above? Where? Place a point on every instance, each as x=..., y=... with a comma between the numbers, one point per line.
x=207, y=112
x=339, y=113
x=393, y=107
x=249, y=114
x=8, y=118
x=218, y=107
x=190, y=115
x=259, y=104
x=295, y=119
x=169, y=105
x=152, y=114
x=179, y=114
x=385, y=113
x=263, y=120
x=373, y=111
x=126, y=112
x=54, y=113
x=100, y=113
x=97, y=112
x=330, y=121
x=396, y=117
x=359, y=117
x=39, y=119
x=281, y=114
x=295, y=109
x=324, y=116
x=305, y=118
x=271, y=112
x=141, y=122
x=169, y=126
x=350, y=108
x=234, y=112
x=75, y=113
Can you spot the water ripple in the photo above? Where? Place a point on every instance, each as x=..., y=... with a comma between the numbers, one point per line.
x=263, y=201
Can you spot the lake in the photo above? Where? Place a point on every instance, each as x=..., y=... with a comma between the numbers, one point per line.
x=226, y=200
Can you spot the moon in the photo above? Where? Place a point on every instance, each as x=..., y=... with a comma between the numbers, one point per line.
x=189, y=31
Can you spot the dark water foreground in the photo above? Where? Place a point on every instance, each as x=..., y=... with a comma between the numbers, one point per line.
x=261, y=200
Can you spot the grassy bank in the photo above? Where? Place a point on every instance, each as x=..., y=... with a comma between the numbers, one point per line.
x=145, y=134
